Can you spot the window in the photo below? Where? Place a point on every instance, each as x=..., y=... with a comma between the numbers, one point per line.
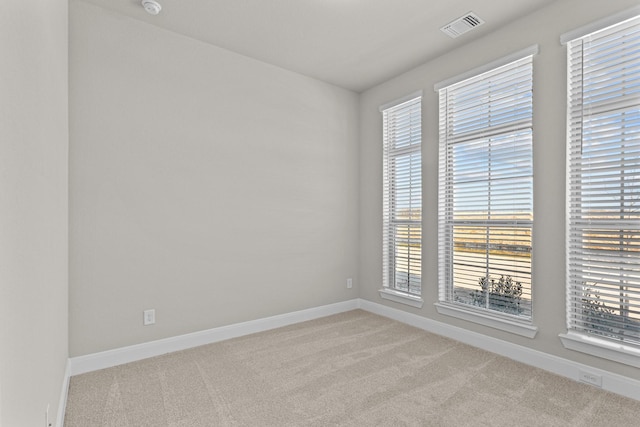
x=486, y=191
x=402, y=199
x=603, y=248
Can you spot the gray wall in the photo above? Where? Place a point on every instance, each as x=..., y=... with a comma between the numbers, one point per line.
x=544, y=28
x=33, y=209
x=212, y=187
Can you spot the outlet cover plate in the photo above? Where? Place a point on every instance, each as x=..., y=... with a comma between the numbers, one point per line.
x=149, y=317
x=590, y=378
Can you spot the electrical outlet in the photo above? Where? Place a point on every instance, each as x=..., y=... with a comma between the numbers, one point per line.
x=349, y=283
x=589, y=378
x=149, y=317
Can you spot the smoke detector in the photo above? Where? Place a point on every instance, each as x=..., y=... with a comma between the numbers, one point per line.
x=461, y=25
x=152, y=7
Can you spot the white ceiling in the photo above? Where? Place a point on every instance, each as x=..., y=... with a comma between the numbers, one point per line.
x=354, y=44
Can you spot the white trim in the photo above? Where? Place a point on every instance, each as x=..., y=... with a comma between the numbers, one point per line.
x=401, y=297
x=616, y=351
x=612, y=382
x=600, y=24
x=64, y=393
x=492, y=321
x=119, y=356
x=399, y=101
x=528, y=51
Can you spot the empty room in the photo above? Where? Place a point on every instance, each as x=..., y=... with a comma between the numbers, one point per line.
x=319, y=212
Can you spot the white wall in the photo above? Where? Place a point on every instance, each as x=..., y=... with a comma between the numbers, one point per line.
x=204, y=184
x=544, y=28
x=33, y=209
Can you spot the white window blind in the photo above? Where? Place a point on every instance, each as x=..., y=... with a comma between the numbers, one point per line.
x=604, y=183
x=402, y=204
x=486, y=191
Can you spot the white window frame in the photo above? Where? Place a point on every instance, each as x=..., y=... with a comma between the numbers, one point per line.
x=411, y=107
x=582, y=335
x=520, y=325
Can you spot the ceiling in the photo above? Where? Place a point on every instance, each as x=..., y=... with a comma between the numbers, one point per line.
x=354, y=44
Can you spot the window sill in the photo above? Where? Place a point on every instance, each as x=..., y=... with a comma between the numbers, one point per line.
x=489, y=320
x=401, y=297
x=618, y=352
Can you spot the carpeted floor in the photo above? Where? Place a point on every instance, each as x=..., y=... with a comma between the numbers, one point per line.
x=351, y=369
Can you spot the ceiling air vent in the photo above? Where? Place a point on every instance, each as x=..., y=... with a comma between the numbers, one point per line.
x=462, y=25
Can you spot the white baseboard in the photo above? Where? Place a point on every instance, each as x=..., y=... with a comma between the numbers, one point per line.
x=62, y=405
x=612, y=382
x=119, y=356
x=615, y=383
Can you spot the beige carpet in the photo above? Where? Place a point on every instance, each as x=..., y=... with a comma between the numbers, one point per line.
x=351, y=369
